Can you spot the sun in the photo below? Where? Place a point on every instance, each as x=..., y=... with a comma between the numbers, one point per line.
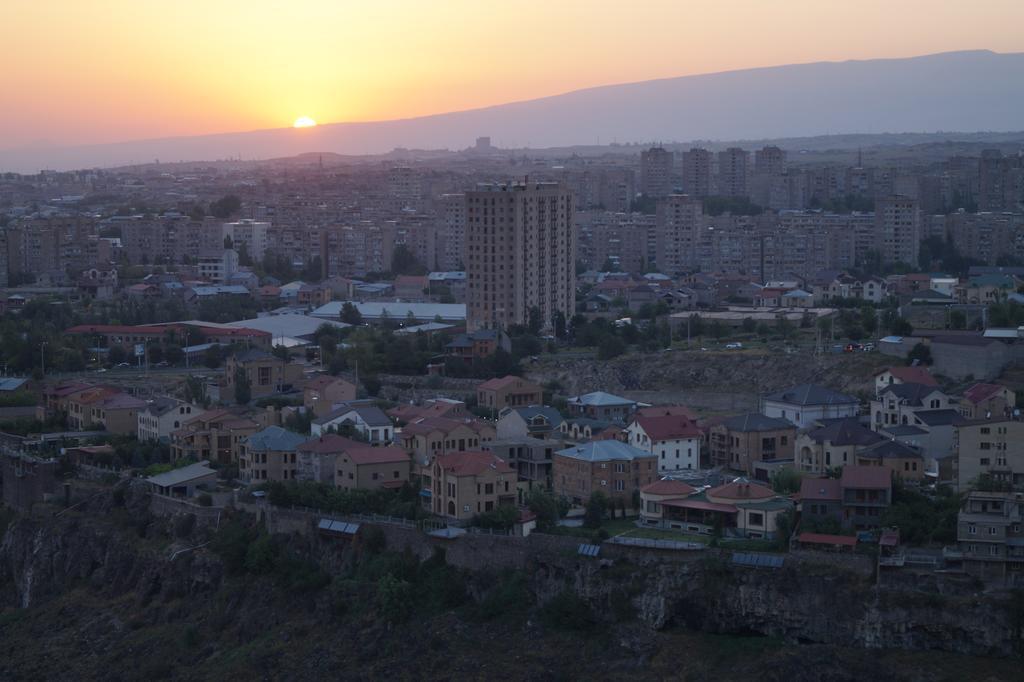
x=304, y=122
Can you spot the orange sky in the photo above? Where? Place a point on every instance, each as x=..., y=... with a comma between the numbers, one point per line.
x=81, y=71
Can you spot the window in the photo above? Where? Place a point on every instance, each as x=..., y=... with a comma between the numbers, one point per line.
x=992, y=530
x=994, y=550
x=756, y=519
x=620, y=486
x=972, y=529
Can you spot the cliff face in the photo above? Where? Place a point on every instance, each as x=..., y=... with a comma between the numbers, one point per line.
x=42, y=558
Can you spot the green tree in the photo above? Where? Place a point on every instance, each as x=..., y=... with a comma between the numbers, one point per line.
x=226, y=206
x=350, y=314
x=597, y=505
x=869, y=320
x=243, y=387
x=749, y=326
x=611, y=346
x=921, y=353
x=403, y=262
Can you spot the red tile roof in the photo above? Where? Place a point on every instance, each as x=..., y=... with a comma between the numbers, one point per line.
x=859, y=476
x=981, y=392
x=913, y=375
x=426, y=425
x=824, y=539
x=367, y=454
x=826, y=489
x=741, y=490
x=701, y=505
x=323, y=381
x=472, y=463
x=668, y=428
x=667, y=411
x=668, y=487
x=495, y=384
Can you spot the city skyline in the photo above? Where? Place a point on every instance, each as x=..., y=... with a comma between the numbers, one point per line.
x=128, y=73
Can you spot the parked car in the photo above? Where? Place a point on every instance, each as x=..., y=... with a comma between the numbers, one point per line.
x=124, y=364
x=868, y=347
x=735, y=345
x=853, y=348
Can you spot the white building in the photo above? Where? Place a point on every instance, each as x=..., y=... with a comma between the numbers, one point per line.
x=162, y=416
x=252, y=234
x=673, y=438
x=368, y=421
x=218, y=267
x=806, y=404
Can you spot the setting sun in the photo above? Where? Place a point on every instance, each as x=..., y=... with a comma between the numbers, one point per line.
x=304, y=122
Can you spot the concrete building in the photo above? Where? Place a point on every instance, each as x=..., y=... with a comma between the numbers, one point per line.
x=678, y=229
x=831, y=444
x=521, y=253
x=990, y=534
x=697, y=172
x=218, y=267
x=270, y=455
x=163, y=416
x=602, y=407
x=250, y=235
x=738, y=442
x=267, y=374
x=322, y=393
x=656, y=178
x=362, y=466
x=535, y=421
x=898, y=229
x=992, y=448
x=732, y=172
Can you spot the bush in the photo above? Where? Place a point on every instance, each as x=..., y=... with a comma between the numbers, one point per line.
x=184, y=524
x=596, y=506
x=205, y=500
x=567, y=611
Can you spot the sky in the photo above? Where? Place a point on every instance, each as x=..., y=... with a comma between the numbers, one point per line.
x=83, y=72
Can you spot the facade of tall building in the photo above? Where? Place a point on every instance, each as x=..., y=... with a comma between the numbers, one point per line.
x=625, y=239
x=451, y=249
x=898, y=229
x=769, y=160
x=250, y=235
x=656, y=172
x=521, y=253
x=356, y=250
x=697, y=172
x=678, y=228
x=732, y=172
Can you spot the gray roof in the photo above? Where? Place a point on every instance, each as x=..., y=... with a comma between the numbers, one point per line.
x=844, y=432
x=754, y=421
x=811, y=394
x=600, y=399
x=371, y=414
x=603, y=450
x=888, y=449
x=937, y=417
x=553, y=416
x=162, y=405
x=286, y=325
x=182, y=475
x=275, y=439
x=914, y=394
x=396, y=311
x=903, y=430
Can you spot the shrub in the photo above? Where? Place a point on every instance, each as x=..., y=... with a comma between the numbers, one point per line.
x=184, y=524
x=567, y=611
x=205, y=500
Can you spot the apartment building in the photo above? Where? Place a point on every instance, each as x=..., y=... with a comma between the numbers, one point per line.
x=509, y=391
x=678, y=229
x=656, y=178
x=162, y=416
x=732, y=172
x=460, y=485
x=898, y=229
x=270, y=455
x=674, y=439
x=738, y=442
x=992, y=448
x=990, y=535
x=521, y=253
x=609, y=466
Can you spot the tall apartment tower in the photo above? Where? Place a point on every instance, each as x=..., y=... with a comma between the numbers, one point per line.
x=656, y=172
x=697, y=172
x=769, y=160
x=521, y=253
x=898, y=229
x=678, y=233
x=732, y=172
x=451, y=251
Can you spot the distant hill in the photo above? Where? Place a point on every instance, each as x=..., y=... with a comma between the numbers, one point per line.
x=953, y=91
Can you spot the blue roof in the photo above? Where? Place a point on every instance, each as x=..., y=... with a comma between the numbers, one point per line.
x=12, y=383
x=603, y=450
x=276, y=439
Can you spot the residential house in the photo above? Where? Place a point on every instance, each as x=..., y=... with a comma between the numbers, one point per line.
x=267, y=373
x=993, y=448
x=898, y=403
x=919, y=416
x=984, y=401
x=162, y=416
x=832, y=443
x=362, y=466
x=666, y=411
x=821, y=504
x=905, y=462
x=602, y=406
x=508, y=391
x=436, y=407
x=216, y=435
x=110, y=409
x=608, y=466
x=317, y=457
x=428, y=437
x=460, y=485
x=184, y=481
x=369, y=421
x=531, y=458
x=738, y=442
x=478, y=344
x=322, y=393
x=903, y=375
x=537, y=421
x=990, y=534
x=270, y=455
x=675, y=440
x=583, y=429
x=739, y=508
x=806, y=404
x=867, y=493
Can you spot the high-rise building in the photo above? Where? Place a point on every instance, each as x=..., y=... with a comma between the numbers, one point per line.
x=678, y=230
x=656, y=172
x=732, y=172
x=898, y=229
x=451, y=248
x=769, y=160
x=250, y=235
x=521, y=253
x=697, y=172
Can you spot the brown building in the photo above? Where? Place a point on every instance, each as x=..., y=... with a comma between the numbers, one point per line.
x=984, y=401
x=460, y=485
x=267, y=374
x=106, y=407
x=509, y=391
x=740, y=441
x=521, y=254
x=608, y=466
x=359, y=465
x=992, y=448
x=212, y=436
x=428, y=437
x=270, y=455
x=321, y=393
